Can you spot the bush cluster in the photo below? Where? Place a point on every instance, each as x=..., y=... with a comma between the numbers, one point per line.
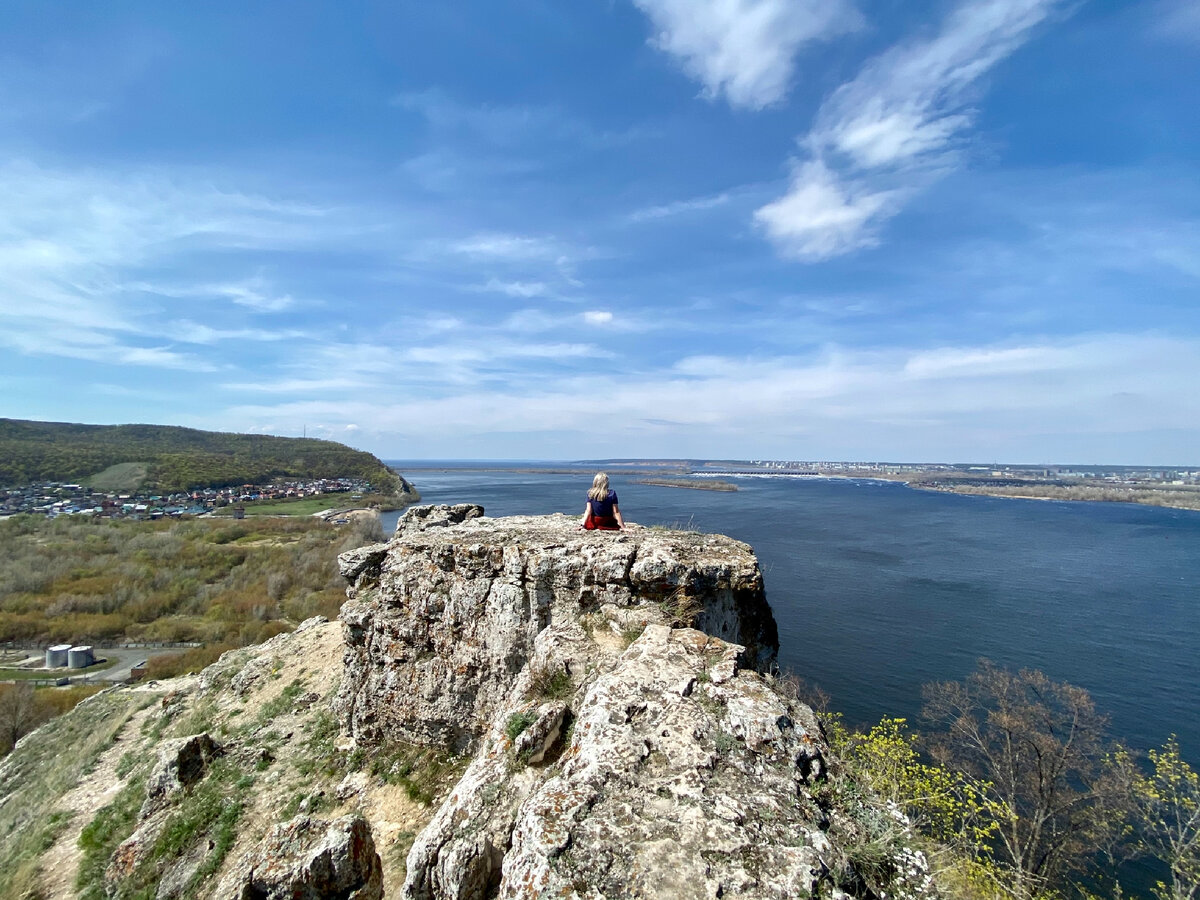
x=214, y=582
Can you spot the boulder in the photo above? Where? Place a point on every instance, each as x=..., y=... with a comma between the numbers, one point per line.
x=181, y=763
x=309, y=859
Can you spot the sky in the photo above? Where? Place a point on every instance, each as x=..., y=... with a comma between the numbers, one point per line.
x=752, y=229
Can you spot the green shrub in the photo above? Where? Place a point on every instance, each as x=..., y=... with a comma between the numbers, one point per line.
x=518, y=722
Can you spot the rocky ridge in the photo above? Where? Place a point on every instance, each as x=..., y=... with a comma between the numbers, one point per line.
x=508, y=708
x=614, y=690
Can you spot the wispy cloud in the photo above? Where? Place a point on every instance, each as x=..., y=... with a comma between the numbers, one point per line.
x=523, y=289
x=822, y=216
x=508, y=247
x=76, y=245
x=506, y=125
x=679, y=207
x=1176, y=20
x=899, y=123
x=986, y=400
x=256, y=293
x=744, y=49
x=197, y=333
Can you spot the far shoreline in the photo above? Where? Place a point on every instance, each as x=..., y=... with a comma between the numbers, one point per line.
x=1166, y=497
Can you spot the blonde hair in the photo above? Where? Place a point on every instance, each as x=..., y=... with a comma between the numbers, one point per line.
x=599, y=487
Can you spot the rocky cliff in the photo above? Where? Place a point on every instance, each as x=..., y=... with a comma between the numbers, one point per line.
x=626, y=739
x=509, y=708
x=447, y=618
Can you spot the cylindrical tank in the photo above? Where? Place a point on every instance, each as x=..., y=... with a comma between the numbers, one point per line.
x=80, y=657
x=56, y=656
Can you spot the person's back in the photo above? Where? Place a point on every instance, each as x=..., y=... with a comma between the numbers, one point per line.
x=602, y=511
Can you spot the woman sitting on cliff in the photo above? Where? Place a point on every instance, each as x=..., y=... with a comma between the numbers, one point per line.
x=601, y=511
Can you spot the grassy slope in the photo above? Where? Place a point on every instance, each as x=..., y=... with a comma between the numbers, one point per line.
x=127, y=476
x=284, y=753
x=39, y=772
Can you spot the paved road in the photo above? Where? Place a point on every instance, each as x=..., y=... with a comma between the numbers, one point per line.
x=125, y=658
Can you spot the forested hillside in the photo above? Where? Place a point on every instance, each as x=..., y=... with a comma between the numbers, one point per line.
x=175, y=458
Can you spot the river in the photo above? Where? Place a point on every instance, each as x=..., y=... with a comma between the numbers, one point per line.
x=879, y=588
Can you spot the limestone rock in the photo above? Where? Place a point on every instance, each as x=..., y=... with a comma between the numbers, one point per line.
x=309, y=859
x=440, y=628
x=354, y=563
x=420, y=518
x=539, y=738
x=181, y=763
x=673, y=785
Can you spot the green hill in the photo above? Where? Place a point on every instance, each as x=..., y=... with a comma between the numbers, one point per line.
x=173, y=458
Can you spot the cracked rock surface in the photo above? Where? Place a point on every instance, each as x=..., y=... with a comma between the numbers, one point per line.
x=444, y=618
x=626, y=740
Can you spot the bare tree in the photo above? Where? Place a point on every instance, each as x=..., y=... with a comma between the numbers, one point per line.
x=1037, y=750
x=20, y=713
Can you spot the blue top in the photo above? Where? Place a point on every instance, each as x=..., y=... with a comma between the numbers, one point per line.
x=603, y=507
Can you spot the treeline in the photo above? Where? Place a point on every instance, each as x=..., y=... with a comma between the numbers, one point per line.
x=1014, y=790
x=222, y=583
x=177, y=458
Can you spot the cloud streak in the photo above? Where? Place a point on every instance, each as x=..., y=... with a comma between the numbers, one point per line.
x=898, y=124
x=828, y=404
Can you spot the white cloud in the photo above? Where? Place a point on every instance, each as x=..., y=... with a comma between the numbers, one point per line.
x=744, y=49
x=598, y=317
x=821, y=217
x=255, y=293
x=523, y=289
x=252, y=294
x=506, y=126
x=896, y=125
x=678, y=207
x=74, y=243
x=197, y=333
x=959, y=400
x=507, y=247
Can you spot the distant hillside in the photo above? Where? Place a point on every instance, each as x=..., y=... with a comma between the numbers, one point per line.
x=173, y=458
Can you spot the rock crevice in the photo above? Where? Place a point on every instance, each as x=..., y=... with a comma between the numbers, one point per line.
x=613, y=690
x=443, y=620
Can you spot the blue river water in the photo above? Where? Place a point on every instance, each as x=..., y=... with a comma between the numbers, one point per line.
x=879, y=588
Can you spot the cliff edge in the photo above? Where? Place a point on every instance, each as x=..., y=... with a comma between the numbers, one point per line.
x=508, y=708
x=613, y=692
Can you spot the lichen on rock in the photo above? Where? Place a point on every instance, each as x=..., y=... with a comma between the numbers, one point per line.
x=445, y=618
x=627, y=738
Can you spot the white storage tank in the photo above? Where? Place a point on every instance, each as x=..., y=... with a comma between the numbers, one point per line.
x=56, y=656
x=80, y=657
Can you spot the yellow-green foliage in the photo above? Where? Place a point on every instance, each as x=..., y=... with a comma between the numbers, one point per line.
x=94, y=581
x=893, y=802
x=1169, y=803
x=943, y=804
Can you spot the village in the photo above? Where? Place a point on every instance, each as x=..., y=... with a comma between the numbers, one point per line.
x=54, y=498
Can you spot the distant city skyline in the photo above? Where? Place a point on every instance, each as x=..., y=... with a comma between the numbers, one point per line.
x=777, y=229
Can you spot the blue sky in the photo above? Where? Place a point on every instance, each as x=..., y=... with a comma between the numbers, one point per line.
x=800, y=229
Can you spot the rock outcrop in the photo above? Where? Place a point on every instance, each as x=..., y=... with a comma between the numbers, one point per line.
x=446, y=618
x=509, y=708
x=309, y=859
x=614, y=689
x=182, y=762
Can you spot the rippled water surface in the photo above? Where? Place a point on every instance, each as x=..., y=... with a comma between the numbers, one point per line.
x=879, y=588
